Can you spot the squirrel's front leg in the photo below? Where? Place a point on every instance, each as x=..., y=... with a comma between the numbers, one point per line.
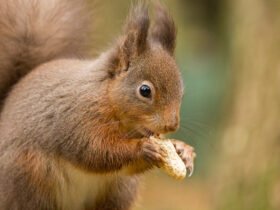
x=151, y=154
x=132, y=155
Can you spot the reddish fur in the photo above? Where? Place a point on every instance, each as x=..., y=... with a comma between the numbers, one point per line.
x=84, y=113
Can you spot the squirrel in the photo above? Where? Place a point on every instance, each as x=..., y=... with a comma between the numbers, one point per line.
x=75, y=131
x=33, y=32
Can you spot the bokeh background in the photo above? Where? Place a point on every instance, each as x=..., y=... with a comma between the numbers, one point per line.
x=229, y=55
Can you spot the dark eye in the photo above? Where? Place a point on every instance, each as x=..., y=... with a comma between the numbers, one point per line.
x=145, y=91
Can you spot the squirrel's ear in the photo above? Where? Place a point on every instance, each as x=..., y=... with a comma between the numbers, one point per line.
x=136, y=30
x=164, y=29
x=134, y=40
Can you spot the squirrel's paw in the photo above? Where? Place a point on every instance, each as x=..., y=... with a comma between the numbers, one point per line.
x=153, y=153
x=186, y=153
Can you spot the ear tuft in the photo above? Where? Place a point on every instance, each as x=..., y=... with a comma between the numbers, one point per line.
x=134, y=40
x=164, y=30
x=136, y=27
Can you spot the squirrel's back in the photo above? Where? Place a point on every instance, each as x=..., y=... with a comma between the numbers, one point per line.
x=35, y=31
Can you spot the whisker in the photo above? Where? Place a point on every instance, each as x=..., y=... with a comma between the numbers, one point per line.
x=195, y=131
x=196, y=122
x=200, y=125
x=197, y=134
x=188, y=137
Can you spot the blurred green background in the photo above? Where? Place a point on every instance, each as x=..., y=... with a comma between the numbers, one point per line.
x=228, y=52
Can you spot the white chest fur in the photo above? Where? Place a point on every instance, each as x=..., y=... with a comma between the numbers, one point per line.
x=79, y=187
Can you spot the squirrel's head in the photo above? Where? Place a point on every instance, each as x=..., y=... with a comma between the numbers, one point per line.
x=146, y=88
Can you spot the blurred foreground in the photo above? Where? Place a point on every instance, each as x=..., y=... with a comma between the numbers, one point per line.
x=164, y=193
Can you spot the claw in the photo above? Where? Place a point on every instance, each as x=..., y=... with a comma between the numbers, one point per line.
x=190, y=170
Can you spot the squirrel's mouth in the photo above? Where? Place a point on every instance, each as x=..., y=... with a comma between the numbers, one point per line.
x=147, y=132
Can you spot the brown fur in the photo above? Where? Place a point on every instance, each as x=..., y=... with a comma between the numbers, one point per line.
x=35, y=31
x=164, y=30
x=72, y=121
x=118, y=194
x=34, y=177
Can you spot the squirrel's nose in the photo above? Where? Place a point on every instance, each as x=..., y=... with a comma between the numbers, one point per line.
x=172, y=125
x=171, y=118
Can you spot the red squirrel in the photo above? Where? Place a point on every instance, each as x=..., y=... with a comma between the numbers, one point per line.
x=75, y=132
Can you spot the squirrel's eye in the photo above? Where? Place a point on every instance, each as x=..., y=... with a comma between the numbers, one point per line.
x=145, y=91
